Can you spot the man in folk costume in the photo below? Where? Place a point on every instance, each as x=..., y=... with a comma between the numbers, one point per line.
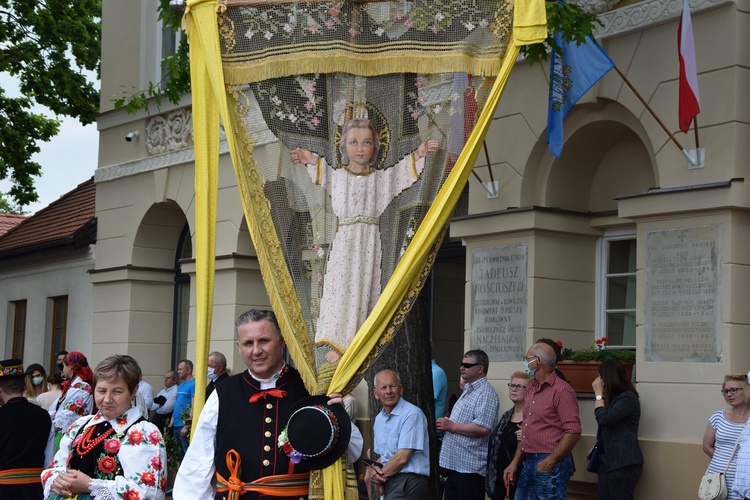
x=235, y=446
x=24, y=439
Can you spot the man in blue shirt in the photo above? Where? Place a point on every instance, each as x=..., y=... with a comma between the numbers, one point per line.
x=401, y=440
x=183, y=402
x=439, y=386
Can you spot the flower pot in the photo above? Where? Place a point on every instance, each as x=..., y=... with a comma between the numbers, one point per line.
x=580, y=374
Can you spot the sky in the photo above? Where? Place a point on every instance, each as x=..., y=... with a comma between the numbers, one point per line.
x=67, y=160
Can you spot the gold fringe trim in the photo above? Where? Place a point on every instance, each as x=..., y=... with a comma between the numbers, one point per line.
x=274, y=271
x=340, y=61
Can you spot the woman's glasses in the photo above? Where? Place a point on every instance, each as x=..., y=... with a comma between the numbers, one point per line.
x=731, y=390
x=518, y=387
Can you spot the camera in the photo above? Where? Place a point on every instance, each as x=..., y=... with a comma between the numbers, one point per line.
x=132, y=135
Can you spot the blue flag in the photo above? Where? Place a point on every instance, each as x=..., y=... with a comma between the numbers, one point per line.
x=572, y=74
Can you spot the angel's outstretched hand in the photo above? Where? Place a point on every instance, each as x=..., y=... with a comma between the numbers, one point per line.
x=426, y=147
x=302, y=155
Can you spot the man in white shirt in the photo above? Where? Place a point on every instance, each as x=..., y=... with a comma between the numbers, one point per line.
x=253, y=404
x=147, y=392
x=164, y=401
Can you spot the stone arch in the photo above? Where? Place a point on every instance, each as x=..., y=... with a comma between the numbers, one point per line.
x=244, y=244
x=606, y=153
x=156, y=238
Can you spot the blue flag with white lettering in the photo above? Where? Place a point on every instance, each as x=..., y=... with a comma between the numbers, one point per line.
x=572, y=73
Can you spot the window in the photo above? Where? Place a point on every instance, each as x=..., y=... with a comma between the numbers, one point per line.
x=19, y=328
x=170, y=42
x=616, y=283
x=59, y=326
x=181, y=312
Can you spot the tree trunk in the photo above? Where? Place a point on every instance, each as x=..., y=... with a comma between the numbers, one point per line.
x=409, y=355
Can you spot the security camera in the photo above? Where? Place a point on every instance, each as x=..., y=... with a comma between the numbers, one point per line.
x=132, y=135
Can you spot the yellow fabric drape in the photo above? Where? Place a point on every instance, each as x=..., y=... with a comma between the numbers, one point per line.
x=207, y=80
x=408, y=267
x=209, y=102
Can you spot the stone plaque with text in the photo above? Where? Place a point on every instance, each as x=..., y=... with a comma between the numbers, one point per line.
x=498, y=301
x=683, y=294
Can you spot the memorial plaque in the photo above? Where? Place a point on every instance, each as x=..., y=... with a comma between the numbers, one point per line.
x=683, y=295
x=498, y=301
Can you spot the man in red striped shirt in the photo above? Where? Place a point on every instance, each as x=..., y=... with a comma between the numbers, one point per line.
x=551, y=428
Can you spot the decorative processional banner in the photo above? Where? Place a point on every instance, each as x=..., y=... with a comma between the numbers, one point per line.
x=353, y=128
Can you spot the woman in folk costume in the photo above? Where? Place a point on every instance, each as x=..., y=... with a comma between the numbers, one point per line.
x=76, y=399
x=360, y=193
x=115, y=453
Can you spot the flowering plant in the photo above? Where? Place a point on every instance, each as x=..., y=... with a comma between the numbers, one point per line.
x=598, y=352
x=187, y=418
x=173, y=455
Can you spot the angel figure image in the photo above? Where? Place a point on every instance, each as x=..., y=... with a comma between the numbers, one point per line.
x=359, y=195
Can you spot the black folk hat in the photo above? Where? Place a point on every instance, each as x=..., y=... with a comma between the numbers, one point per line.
x=11, y=368
x=315, y=434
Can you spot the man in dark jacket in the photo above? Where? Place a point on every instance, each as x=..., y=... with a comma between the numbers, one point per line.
x=24, y=437
x=217, y=371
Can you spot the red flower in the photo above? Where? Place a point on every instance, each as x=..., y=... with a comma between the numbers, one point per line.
x=559, y=342
x=107, y=464
x=46, y=476
x=135, y=437
x=112, y=446
x=156, y=462
x=148, y=478
x=122, y=420
x=154, y=437
x=287, y=448
x=163, y=483
x=131, y=495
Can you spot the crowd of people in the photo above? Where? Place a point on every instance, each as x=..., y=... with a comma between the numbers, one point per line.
x=101, y=432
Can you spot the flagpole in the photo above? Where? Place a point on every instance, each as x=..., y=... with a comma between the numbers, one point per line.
x=658, y=120
x=695, y=130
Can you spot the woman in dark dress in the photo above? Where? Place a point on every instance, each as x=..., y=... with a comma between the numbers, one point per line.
x=617, y=411
x=504, y=438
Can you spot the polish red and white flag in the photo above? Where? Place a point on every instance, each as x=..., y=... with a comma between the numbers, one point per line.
x=689, y=105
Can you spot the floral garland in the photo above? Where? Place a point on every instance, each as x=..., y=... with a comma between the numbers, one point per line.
x=294, y=455
x=287, y=448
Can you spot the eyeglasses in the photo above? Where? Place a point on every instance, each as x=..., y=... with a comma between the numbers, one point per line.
x=731, y=390
x=469, y=365
x=519, y=387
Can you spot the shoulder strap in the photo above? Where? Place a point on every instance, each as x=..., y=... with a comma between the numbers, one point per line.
x=734, y=449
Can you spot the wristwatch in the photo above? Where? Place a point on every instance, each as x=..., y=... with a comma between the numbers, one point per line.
x=599, y=397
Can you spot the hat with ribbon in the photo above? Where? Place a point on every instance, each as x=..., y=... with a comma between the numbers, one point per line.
x=315, y=434
x=11, y=368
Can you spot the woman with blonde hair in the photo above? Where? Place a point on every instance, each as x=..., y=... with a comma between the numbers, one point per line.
x=504, y=439
x=35, y=380
x=724, y=429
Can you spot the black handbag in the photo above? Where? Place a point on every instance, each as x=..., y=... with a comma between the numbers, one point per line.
x=594, y=460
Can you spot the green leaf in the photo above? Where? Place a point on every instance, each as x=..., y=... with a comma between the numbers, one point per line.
x=49, y=47
x=568, y=19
